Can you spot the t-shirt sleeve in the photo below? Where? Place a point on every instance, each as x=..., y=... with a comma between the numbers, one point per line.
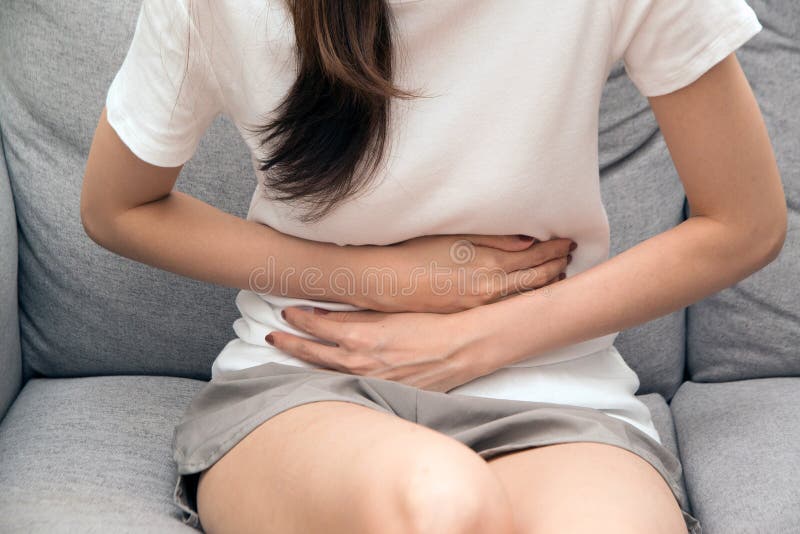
x=667, y=44
x=165, y=94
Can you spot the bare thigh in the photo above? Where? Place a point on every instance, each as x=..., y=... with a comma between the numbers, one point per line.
x=338, y=467
x=587, y=487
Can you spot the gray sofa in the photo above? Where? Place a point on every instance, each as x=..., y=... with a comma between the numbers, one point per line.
x=100, y=355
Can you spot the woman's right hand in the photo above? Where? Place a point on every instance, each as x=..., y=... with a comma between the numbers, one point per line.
x=451, y=273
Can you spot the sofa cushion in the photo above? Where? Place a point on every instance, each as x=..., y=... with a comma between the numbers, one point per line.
x=85, y=454
x=10, y=363
x=643, y=197
x=85, y=310
x=662, y=420
x=92, y=455
x=740, y=449
x=752, y=329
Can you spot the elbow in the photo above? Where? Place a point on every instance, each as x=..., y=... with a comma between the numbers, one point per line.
x=90, y=225
x=94, y=224
x=776, y=239
x=771, y=237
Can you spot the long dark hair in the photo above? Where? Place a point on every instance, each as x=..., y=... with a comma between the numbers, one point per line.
x=329, y=134
x=331, y=128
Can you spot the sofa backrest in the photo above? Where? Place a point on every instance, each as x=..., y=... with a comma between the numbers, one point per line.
x=83, y=309
x=752, y=329
x=86, y=311
x=10, y=363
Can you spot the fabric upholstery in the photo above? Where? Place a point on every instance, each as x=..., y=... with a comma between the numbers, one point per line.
x=663, y=421
x=83, y=309
x=92, y=455
x=752, y=329
x=10, y=362
x=643, y=197
x=741, y=453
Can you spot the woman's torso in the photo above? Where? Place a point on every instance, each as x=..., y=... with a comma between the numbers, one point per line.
x=506, y=145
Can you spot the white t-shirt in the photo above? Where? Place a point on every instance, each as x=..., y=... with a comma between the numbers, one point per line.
x=507, y=145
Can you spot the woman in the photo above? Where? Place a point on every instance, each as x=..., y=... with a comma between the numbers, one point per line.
x=409, y=358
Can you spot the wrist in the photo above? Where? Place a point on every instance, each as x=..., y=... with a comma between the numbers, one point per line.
x=360, y=262
x=485, y=342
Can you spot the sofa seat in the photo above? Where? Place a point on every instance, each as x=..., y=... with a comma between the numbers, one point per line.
x=94, y=454
x=740, y=452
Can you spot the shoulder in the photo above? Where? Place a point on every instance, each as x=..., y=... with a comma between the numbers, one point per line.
x=666, y=44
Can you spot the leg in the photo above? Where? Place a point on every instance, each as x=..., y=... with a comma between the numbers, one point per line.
x=587, y=487
x=338, y=467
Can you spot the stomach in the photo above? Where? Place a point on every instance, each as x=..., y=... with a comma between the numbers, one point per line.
x=261, y=314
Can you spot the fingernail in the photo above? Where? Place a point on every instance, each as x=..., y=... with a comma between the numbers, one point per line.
x=283, y=314
x=569, y=258
x=573, y=246
x=269, y=339
x=320, y=311
x=525, y=237
x=562, y=276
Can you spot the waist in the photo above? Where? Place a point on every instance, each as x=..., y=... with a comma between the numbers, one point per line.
x=261, y=314
x=601, y=379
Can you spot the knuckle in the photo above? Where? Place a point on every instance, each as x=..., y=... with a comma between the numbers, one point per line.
x=294, y=316
x=514, y=286
x=535, y=277
x=537, y=254
x=493, y=259
x=482, y=290
x=351, y=338
x=553, y=249
x=306, y=349
x=551, y=268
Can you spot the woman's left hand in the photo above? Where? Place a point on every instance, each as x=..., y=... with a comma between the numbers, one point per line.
x=431, y=351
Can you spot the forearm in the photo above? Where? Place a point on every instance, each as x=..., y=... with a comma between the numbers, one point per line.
x=184, y=235
x=658, y=276
x=187, y=236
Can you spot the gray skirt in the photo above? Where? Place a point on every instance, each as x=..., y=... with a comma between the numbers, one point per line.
x=228, y=408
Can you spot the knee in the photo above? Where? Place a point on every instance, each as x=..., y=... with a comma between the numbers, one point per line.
x=454, y=493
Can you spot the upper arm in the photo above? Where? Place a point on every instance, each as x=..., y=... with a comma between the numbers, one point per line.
x=722, y=152
x=680, y=54
x=116, y=179
x=159, y=104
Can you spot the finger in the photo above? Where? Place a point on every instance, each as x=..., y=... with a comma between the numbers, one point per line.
x=536, y=254
x=509, y=243
x=308, y=350
x=316, y=324
x=526, y=280
x=361, y=316
x=536, y=277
